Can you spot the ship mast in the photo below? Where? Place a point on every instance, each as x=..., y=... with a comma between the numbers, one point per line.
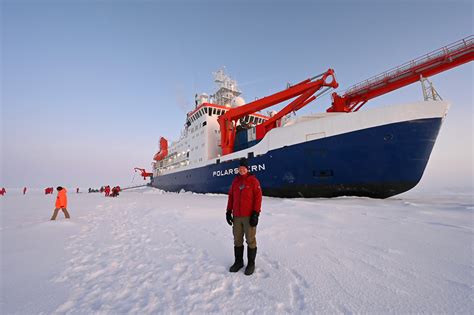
x=227, y=88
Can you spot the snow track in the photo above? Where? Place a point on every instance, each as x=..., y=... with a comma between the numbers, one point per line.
x=148, y=252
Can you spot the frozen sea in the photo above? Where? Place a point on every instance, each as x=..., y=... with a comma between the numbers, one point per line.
x=150, y=252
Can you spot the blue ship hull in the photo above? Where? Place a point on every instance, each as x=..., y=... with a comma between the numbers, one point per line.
x=376, y=162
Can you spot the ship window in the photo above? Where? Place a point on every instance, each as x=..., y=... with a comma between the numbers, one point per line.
x=205, y=110
x=218, y=161
x=250, y=155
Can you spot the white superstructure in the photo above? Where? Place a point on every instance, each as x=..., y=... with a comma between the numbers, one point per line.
x=200, y=139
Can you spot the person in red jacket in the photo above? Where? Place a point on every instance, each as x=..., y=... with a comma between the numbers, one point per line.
x=107, y=190
x=61, y=203
x=243, y=210
x=3, y=191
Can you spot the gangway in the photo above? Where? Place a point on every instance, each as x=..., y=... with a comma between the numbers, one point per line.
x=136, y=186
x=437, y=61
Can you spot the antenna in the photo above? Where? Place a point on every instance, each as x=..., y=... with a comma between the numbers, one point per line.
x=227, y=88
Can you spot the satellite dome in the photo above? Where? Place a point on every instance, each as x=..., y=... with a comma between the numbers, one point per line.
x=237, y=101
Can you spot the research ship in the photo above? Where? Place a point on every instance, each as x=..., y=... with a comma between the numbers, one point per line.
x=345, y=151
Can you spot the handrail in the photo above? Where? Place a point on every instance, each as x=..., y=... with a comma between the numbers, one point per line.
x=457, y=46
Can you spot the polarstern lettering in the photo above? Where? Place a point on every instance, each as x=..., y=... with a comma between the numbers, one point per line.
x=235, y=171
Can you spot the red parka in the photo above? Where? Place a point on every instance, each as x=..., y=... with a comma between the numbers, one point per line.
x=245, y=195
x=61, y=199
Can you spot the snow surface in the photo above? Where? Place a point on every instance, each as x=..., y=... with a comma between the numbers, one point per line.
x=153, y=252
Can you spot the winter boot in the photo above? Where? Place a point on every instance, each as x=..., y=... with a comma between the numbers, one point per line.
x=239, y=259
x=251, y=253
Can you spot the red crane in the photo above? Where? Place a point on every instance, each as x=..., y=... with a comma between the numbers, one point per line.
x=430, y=64
x=144, y=173
x=304, y=90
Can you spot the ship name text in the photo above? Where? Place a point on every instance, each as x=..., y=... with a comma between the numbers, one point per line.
x=235, y=171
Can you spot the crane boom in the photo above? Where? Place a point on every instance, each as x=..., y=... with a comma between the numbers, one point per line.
x=305, y=90
x=437, y=61
x=144, y=173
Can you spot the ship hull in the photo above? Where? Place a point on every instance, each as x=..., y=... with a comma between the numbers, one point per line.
x=376, y=162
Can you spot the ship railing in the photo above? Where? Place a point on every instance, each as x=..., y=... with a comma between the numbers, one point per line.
x=446, y=51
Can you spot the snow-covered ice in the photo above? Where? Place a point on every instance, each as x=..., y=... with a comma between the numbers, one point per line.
x=153, y=252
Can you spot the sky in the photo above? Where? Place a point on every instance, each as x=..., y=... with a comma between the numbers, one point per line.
x=89, y=87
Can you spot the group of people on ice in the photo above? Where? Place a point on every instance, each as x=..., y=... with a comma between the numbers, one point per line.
x=114, y=192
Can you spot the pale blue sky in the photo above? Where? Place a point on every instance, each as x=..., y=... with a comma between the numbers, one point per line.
x=88, y=87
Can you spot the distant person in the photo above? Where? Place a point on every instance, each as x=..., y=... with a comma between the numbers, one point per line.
x=115, y=191
x=61, y=203
x=107, y=191
x=102, y=189
x=3, y=191
x=24, y=190
x=77, y=190
x=243, y=210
